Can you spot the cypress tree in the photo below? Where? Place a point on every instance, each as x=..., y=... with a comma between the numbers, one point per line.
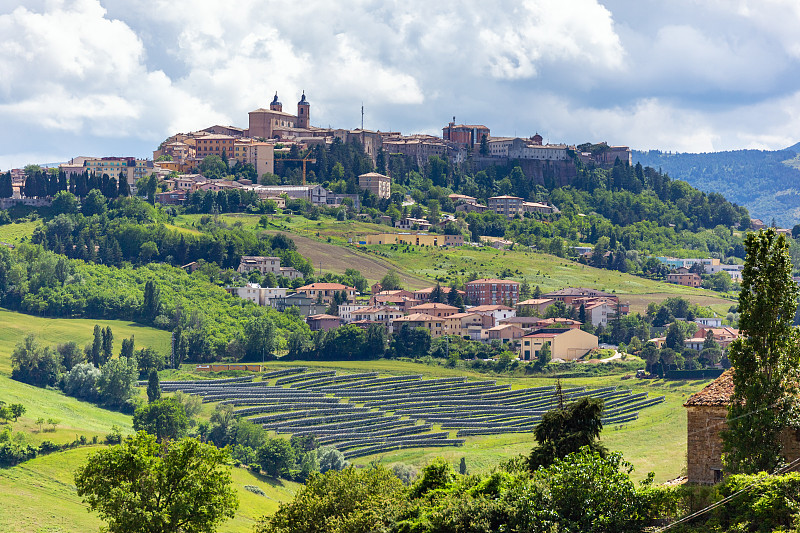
x=765, y=358
x=6, y=188
x=153, y=387
x=97, y=346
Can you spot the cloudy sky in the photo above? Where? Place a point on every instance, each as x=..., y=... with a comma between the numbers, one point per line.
x=115, y=77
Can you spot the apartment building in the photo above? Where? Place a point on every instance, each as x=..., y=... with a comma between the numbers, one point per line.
x=488, y=291
x=377, y=184
x=509, y=206
x=434, y=325
x=257, y=153
x=263, y=264
x=213, y=144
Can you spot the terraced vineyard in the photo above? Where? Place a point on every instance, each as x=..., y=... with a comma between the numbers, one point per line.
x=363, y=414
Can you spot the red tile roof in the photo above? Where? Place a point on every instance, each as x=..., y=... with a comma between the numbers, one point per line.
x=719, y=392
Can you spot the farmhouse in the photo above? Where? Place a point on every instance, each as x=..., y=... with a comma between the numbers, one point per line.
x=706, y=415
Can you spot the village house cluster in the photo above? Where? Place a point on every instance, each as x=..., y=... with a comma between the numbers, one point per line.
x=490, y=315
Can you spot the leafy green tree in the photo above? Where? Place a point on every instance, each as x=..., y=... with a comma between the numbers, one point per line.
x=259, y=338
x=71, y=355
x=93, y=204
x=213, y=167
x=411, y=342
x=675, y=337
x=765, y=358
x=33, y=364
x=566, y=429
x=64, y=203
x=391, y=281
x=149, y=360
x=151, y=304
x=592, y=492
x=141, y=486
x=545, y=355
x=153, y=387
x=352, y=500
x=126, y=351
x=108, y=343
x=276, y=457
x=97, y=347
x=166, y=419
x=117, y=381
x=6, y=186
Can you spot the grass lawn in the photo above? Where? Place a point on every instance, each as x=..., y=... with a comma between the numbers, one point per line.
x=655, y=442
x=51, y=331
x=40, y=496
x=17, y=233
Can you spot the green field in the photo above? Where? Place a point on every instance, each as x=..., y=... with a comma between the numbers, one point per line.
x=39, y=496
x=17, y=233
x=50, y=331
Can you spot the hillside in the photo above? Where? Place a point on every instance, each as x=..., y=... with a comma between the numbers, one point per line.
x=326, y=240
x=763, y=181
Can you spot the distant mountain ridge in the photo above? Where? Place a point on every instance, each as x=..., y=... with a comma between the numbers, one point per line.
x=766, y=182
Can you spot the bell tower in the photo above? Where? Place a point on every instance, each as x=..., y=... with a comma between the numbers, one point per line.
x=275, y=105
x=303, y=109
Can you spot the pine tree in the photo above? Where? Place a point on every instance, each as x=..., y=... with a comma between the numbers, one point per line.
x=765, y=358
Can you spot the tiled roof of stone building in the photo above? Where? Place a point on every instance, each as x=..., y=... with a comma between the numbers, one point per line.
x=716, y=393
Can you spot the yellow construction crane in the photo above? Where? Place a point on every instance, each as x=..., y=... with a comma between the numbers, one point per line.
x=304, y=160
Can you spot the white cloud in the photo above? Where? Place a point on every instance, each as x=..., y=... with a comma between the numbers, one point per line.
x=680, y=75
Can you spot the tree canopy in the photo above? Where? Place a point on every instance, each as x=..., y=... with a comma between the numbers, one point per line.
x=141, y=486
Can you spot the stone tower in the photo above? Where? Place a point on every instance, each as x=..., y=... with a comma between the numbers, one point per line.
x=275, y=105
x=303, y=109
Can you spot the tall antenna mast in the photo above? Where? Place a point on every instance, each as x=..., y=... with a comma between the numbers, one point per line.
x=362, y=116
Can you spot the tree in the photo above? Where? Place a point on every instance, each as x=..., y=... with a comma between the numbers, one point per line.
x=127, y=348
x=675, y=337
x=71, y=355
x=166, y=419
x=108, y=343
x=145, y=487
x=33, y=364
x=124, y=188
x=350, y=500
x=6, y=187
x=153, y=387
x=213, y=167
x=93, y=204
x=276, y=457
x=97, y=347
x=565, y=430
x=592, y=492
x=64, y=203
x=117, y=381
x=765, y=358
x=545, y=355
x=391, y=281
x=151, y=304
x=259, y=338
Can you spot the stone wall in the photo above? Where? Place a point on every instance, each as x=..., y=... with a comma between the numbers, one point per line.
x=704, y=443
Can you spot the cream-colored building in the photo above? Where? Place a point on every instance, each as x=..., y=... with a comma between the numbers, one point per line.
x=416, y=239
x=258, y=153
x=567, y=345
x=433, y=324
x=377, y=184
x=460, y=323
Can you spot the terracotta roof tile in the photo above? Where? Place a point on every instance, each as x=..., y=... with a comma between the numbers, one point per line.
x=718, y=392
